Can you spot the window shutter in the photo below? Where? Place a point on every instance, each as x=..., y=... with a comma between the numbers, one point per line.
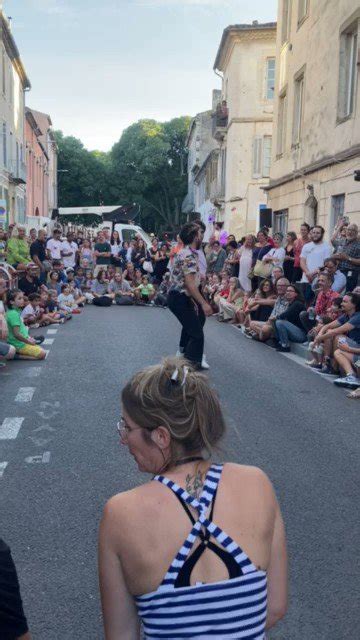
x=257, y=157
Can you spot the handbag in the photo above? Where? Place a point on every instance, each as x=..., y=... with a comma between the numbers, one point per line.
x=262, y=269
x=147, y=266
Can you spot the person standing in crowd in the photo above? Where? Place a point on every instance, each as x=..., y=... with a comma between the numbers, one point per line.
x=115, y=244
x=102, y=253
x=338, y=238
x=276, y=255
x=160, y=261
x=38, y=254
x=185, y=300
x=298, y=247
x=312, y=258
x=30, y=282
x=245, y=262
x=17, y=248
x=54, y=245
x=349, y=257
x=2, y=245
x=171, y=416
x=69, y=251
x=86, y=259
x=289, y=259
x=216, y=258
x=32, y=235
x=13, y=623
x=232, y=259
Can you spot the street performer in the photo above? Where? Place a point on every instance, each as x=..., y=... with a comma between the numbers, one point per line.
x=185, y=299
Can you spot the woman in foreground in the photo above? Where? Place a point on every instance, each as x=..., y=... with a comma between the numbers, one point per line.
x=198, y=551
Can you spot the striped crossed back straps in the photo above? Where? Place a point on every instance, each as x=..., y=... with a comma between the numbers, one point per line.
x=203, y=523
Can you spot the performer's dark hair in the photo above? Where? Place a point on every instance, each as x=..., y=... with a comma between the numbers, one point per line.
x=188, y=232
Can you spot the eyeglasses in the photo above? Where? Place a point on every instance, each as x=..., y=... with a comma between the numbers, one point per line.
x=124, y=429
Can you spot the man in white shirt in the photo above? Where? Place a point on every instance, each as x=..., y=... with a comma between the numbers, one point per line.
x=314, y=254
x=54, y=245
x=69, y=251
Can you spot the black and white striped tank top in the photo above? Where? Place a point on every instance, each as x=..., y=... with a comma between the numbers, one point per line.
x=233, y=608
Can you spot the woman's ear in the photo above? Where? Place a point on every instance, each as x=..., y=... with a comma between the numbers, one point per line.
x=161, y=437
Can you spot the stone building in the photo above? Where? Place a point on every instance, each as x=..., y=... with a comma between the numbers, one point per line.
x=48, y=142
x=13, y=84
x=316, y=141
x=243, y=123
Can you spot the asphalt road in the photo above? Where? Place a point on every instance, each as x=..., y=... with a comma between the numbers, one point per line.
x=66, y=461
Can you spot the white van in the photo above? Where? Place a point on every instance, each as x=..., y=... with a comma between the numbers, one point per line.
x=128, y=232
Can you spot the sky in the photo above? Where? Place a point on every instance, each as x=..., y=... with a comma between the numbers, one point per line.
x=98, y=66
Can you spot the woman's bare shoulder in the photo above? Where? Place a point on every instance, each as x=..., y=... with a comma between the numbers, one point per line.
x=247, y=477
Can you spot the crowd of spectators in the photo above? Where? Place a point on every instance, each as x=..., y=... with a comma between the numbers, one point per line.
x=297, y=289
x=47, y=280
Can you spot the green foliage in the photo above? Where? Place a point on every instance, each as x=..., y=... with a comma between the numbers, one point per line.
x=147, y=165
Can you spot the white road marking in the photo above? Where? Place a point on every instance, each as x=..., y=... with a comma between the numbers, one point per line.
x=25, y=394
x=10, y=428
x=33, y=372
x=3, y=466
x=48, y=340
x=46, y=352
x=52, y=331
x=39, y=459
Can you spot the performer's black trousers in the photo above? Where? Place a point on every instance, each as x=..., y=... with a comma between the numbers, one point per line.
x=192, y=318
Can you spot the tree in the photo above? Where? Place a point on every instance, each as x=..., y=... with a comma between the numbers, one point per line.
x=149, y=165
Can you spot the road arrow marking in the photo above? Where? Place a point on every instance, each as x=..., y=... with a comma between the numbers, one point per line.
x=52, y=331
x=25, y=394
x=48, y=340
x=3, y=466
x=39, y=442
x=10, y=428
x=39, y=459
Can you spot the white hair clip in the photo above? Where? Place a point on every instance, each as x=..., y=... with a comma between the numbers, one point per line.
x=186, y=371
x=175, y=375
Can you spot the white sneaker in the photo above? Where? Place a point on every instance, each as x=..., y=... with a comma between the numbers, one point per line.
x=348, y=381
x=204, y=363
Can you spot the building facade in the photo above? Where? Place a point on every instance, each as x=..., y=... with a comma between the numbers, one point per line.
x=37, y=163
x=13, y=84
x=48, y=143
x=316, y=142
x=243, y=126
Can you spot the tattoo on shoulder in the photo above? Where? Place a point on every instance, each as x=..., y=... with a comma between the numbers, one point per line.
x=194, y=483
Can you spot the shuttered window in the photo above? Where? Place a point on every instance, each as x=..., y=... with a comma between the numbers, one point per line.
x=257, y=157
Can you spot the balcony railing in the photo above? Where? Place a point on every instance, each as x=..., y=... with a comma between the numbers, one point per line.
x=219, y=124
x=17, y=171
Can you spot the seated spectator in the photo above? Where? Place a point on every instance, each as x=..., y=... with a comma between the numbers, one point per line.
x=263, y=331
x=120, y=290
x=275, y=257
x=323, y=302
x=232, y=303
x=288, y=326
x=145, y=292
x=129, y=272
x=86, y=255
x=79, y=278
x=339, y=279
x=100, y=285
x=30, y=282
x=319, y=355
x=66, y=300
x=17, y=250
x=26, y=347
x=259, y=306
x=344, y=334
x=32, y=312
x=80, y=298
x=223, y=289
x=59, y=268
x=349, y=257
x=7, y=352
x=137, y=279
x=216, y=258
x=2, y=245
x=54, y=283
x=162, y=293
x=110, y=272
x=276, y=274
x=211, y=289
